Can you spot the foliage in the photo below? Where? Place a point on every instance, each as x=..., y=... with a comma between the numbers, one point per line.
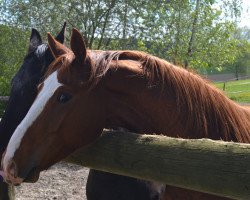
x=242, y=63
x=201, y=34
x=14, y=44
x=192, y=31
x=100, y=21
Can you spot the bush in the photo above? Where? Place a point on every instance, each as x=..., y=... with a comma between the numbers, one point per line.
x=14, y=46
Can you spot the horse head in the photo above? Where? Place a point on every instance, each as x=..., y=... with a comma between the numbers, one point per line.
x=24, y=84
x=54, y=124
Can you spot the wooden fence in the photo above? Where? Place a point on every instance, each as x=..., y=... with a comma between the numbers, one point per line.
x=4, y=98
x=215, y=167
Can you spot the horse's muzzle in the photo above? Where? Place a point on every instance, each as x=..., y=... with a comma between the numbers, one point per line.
x=10, y=174
x=14, y=176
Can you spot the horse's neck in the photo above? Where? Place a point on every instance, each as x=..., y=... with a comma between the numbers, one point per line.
x=133, y=105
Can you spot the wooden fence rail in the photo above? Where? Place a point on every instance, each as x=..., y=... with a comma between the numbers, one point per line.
x=216, y=167
x=4, y=98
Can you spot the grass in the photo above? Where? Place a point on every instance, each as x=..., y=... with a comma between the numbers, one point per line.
x=237, y=90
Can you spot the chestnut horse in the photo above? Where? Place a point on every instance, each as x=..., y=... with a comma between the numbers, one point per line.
x=84, y=92
x=23, y=93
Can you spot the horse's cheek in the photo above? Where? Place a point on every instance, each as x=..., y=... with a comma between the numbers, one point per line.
x=56, y=118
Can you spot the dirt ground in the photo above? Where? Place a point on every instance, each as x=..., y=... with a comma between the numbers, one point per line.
x=62, y=181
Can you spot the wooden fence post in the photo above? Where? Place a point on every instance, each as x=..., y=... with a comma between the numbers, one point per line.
x=224, y=86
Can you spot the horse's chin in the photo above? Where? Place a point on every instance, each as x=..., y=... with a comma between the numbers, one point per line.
x=33, y=176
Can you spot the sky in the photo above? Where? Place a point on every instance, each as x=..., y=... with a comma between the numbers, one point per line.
x=245, y=18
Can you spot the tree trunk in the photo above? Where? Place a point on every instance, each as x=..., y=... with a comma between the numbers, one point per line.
x=106, y=17
x=193, y=33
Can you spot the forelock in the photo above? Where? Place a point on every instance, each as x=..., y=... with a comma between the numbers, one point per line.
x=40, y=51
x=60, y=64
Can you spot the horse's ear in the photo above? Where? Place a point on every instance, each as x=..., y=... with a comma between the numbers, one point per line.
x=56, y=48
x=78, y=46
x=35, y=40
x=60, y=37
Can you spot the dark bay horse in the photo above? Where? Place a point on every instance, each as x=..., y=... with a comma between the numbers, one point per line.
x=86, y=91
x=23, y=92
x=24, y=85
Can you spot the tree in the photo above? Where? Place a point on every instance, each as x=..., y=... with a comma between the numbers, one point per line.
x=194, y=33
x=190, y=33
x=100, y=21
x=241, y=65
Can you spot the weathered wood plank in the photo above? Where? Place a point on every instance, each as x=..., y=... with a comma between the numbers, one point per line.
x=215, y=167
x=4, y=98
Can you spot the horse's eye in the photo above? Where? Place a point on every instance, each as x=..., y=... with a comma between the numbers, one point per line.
x=64, y=97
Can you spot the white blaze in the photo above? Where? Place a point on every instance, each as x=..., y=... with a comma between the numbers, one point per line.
x=51, y=84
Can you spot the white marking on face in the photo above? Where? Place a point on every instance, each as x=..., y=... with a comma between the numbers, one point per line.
x=51, y=84
x=41, y=49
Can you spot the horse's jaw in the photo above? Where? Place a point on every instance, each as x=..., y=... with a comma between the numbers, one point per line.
x=33, y=176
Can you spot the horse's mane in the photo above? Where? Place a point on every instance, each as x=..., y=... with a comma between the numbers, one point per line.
x=200, y=105
x=207, y=110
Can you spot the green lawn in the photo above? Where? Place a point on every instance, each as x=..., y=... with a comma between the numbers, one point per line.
x=237, y=90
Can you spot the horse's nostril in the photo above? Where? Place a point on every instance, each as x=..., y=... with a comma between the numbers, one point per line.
x=11, y=173
x=12, y=169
